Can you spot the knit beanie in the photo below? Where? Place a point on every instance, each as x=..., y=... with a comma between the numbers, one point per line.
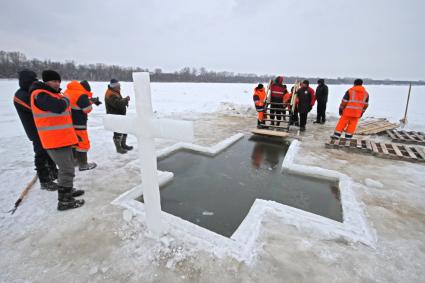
x=50, y=75
x=114, y=83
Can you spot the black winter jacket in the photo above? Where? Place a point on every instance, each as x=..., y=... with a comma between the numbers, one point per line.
x=304, y=100
x=46, y=102
x=322, y=93
x=22, y=102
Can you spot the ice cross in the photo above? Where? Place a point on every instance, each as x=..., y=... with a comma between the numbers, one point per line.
x=146, y=127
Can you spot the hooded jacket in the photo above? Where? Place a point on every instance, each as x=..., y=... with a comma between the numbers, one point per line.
x=277, y=91
x=22, y=102
x=80, y=103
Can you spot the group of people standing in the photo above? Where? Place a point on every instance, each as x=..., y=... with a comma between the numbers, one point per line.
x=279, y=100
x=56, y=124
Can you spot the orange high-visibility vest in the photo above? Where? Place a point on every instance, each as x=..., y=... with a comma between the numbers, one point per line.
x=17, y=100
x=356, y=102
x=73, y=91
x=54, y=129
x=259, y=98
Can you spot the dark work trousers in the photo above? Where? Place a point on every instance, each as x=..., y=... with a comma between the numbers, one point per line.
x=63, y=157
x=276, y=111
x=294, y=117
x=303, y=119
x=321, y=112
x=44, y=165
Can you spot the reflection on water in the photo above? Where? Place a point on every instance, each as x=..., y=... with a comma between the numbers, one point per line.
x=217, y=192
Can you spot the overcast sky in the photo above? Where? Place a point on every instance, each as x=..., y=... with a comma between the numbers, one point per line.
x=330, y=38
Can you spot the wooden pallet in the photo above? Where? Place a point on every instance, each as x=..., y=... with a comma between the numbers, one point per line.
x=374, y=126
x=407, y=137
x=379, y=149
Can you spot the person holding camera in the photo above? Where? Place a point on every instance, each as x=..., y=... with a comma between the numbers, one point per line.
x=117, y=105
x=81, y=100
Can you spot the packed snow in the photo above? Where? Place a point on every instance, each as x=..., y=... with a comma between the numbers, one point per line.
x=101, y=242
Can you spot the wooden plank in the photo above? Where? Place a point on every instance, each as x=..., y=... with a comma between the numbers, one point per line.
x=390, y=133
x=384, y=148
x=409, y=136
x=418, y=136
x=270, y=133
x=368, y=145
x=420, y=152
x=410, y=152
x=374, y=147
x=397, y=151
x=376, y=130
x=398, y=136
x=359, y=144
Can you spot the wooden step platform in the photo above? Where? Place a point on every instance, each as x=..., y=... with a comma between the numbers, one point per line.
x=379, y=149
x=374, y=126
x=407, y=136
x=266, y=132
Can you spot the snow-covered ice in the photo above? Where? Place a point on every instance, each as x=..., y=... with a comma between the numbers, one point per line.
x=103, y=242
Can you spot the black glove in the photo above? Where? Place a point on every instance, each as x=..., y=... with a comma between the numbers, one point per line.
x=95, y=101
x=126, y=100
x=340, y=111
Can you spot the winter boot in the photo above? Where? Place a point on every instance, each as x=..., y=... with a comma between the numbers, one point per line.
x=124, y=141
x=66, y=200
x=83, y=165
x=49, y=186
x=76, y=193
x=117, y=142
x=259, y=124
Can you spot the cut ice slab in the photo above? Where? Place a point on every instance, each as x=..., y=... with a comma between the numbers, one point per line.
x=146, y=128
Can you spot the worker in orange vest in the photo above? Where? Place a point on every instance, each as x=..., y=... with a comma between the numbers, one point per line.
x=81, y=99
x=259, y=98
x=52, y=117
x=353, y=105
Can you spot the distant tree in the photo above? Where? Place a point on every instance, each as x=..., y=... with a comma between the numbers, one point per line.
x=12, y=62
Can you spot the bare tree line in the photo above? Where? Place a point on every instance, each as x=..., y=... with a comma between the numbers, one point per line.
x=12, y=62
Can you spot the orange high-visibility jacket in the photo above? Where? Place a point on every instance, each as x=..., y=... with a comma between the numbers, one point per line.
x=287, y=97
x=356, y=102
x=73, y=91
x=259, y=98
x=54, y=129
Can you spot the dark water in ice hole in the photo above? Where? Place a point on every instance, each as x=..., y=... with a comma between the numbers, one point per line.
x=217, y=192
